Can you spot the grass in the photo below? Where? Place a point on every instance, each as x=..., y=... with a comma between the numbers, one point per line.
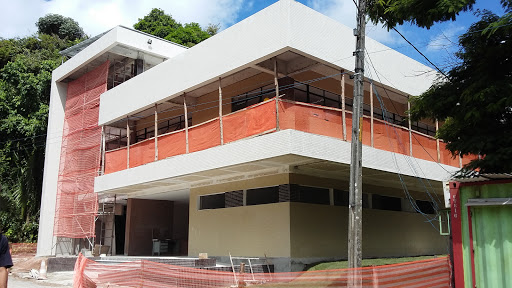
x=369, y=262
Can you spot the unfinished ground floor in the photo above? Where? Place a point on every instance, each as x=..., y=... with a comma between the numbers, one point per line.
x=292, y=219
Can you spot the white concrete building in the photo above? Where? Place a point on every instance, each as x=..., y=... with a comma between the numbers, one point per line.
x=232, y=169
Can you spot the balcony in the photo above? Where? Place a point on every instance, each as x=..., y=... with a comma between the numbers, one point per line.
x=273, y=115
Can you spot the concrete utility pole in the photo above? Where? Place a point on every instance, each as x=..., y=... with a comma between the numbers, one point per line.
x=356, y=189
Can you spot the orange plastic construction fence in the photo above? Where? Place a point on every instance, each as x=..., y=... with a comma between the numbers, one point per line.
x=310, y=118
x=142, y=153
x=77, y=204
x=424, y=147
x=261, y=118
x=251, y=121
x=425, y=273
x=446, y=156
x=391, y=138
x=115, y=160
x=172, y=144
x=204, y=136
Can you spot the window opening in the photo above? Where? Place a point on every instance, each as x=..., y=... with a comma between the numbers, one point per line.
x=260, y=196
x=213, y=201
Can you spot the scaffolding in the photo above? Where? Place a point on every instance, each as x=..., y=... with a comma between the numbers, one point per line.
x=77, y=204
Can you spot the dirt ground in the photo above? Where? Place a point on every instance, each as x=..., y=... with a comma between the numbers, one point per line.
x=19, y=276
x=56, y=279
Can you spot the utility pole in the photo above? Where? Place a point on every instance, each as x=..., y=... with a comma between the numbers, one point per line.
x=356, y=189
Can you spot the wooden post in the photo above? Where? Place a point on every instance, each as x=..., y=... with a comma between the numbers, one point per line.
x=186, y=120
x=343, y=110
x=437, y=144
x=156, y=132
x=220, y=114
x=276, y=84
x=102, y=171
x=371, y=114
x=410, y=125
x=127, y=142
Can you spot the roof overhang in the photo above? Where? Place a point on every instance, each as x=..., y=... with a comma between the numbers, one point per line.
x=118, y=43
x=282, y=27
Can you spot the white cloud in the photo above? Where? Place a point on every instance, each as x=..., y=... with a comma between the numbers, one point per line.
x=96, y=16
x=344, y=11
x=446, y=39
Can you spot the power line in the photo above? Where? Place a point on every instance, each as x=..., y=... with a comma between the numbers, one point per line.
x=421, y=54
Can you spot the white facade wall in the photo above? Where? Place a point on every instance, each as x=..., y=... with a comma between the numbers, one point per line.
x=117, y=36
x=285, y=25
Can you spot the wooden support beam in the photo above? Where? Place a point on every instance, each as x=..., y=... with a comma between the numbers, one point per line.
x=410, y=125
x=102, y=169
x=343, y=109
x=156, y=132
x=265, y=70
x=371, y=114
x=276, y=84
x=127, y=142
x=186, y=121
x=437, y=143
x=220, y=114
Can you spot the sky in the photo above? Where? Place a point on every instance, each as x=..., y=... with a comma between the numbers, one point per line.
x=18, y=18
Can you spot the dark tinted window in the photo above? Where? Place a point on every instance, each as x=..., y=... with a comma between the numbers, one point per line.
x=263, y=195
x=311, y=195
x=425, y=207
x=386, y=203
x=214, y=201
x=340, y=197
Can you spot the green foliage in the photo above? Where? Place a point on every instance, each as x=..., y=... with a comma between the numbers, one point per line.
x=504, y=20
x=63, y=27
x=188, y=35
x=476, y=103
x=418, y=12
x=26, y=66
x=164, y=26
x=157, y=23
x=213, y=29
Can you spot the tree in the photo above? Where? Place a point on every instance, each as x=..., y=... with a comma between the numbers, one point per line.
x=63, y=27
x=476, y=104
x=418, y=12
x=164, y=26
x=26, y=66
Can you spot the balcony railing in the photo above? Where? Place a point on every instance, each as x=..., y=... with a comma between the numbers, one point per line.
x=268, y=117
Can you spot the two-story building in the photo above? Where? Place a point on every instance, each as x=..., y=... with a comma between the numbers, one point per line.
x=153, y=143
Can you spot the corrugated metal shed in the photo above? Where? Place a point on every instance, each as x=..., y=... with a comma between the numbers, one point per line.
x=480, y=177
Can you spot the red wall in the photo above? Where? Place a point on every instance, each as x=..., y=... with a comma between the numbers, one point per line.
x=146, y=219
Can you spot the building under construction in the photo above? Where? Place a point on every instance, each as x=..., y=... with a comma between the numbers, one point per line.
x=240, y=144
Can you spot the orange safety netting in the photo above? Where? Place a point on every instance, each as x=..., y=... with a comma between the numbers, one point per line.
x=446, y=156
x=390, y=138
x=77, y=204
x=172, y=144
x=115, y=160
x=261, y=118
x=425, y=273
x=251, y=121
x=310, y=118
x=204, y=136
x=424, y=147
x=142, y=153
